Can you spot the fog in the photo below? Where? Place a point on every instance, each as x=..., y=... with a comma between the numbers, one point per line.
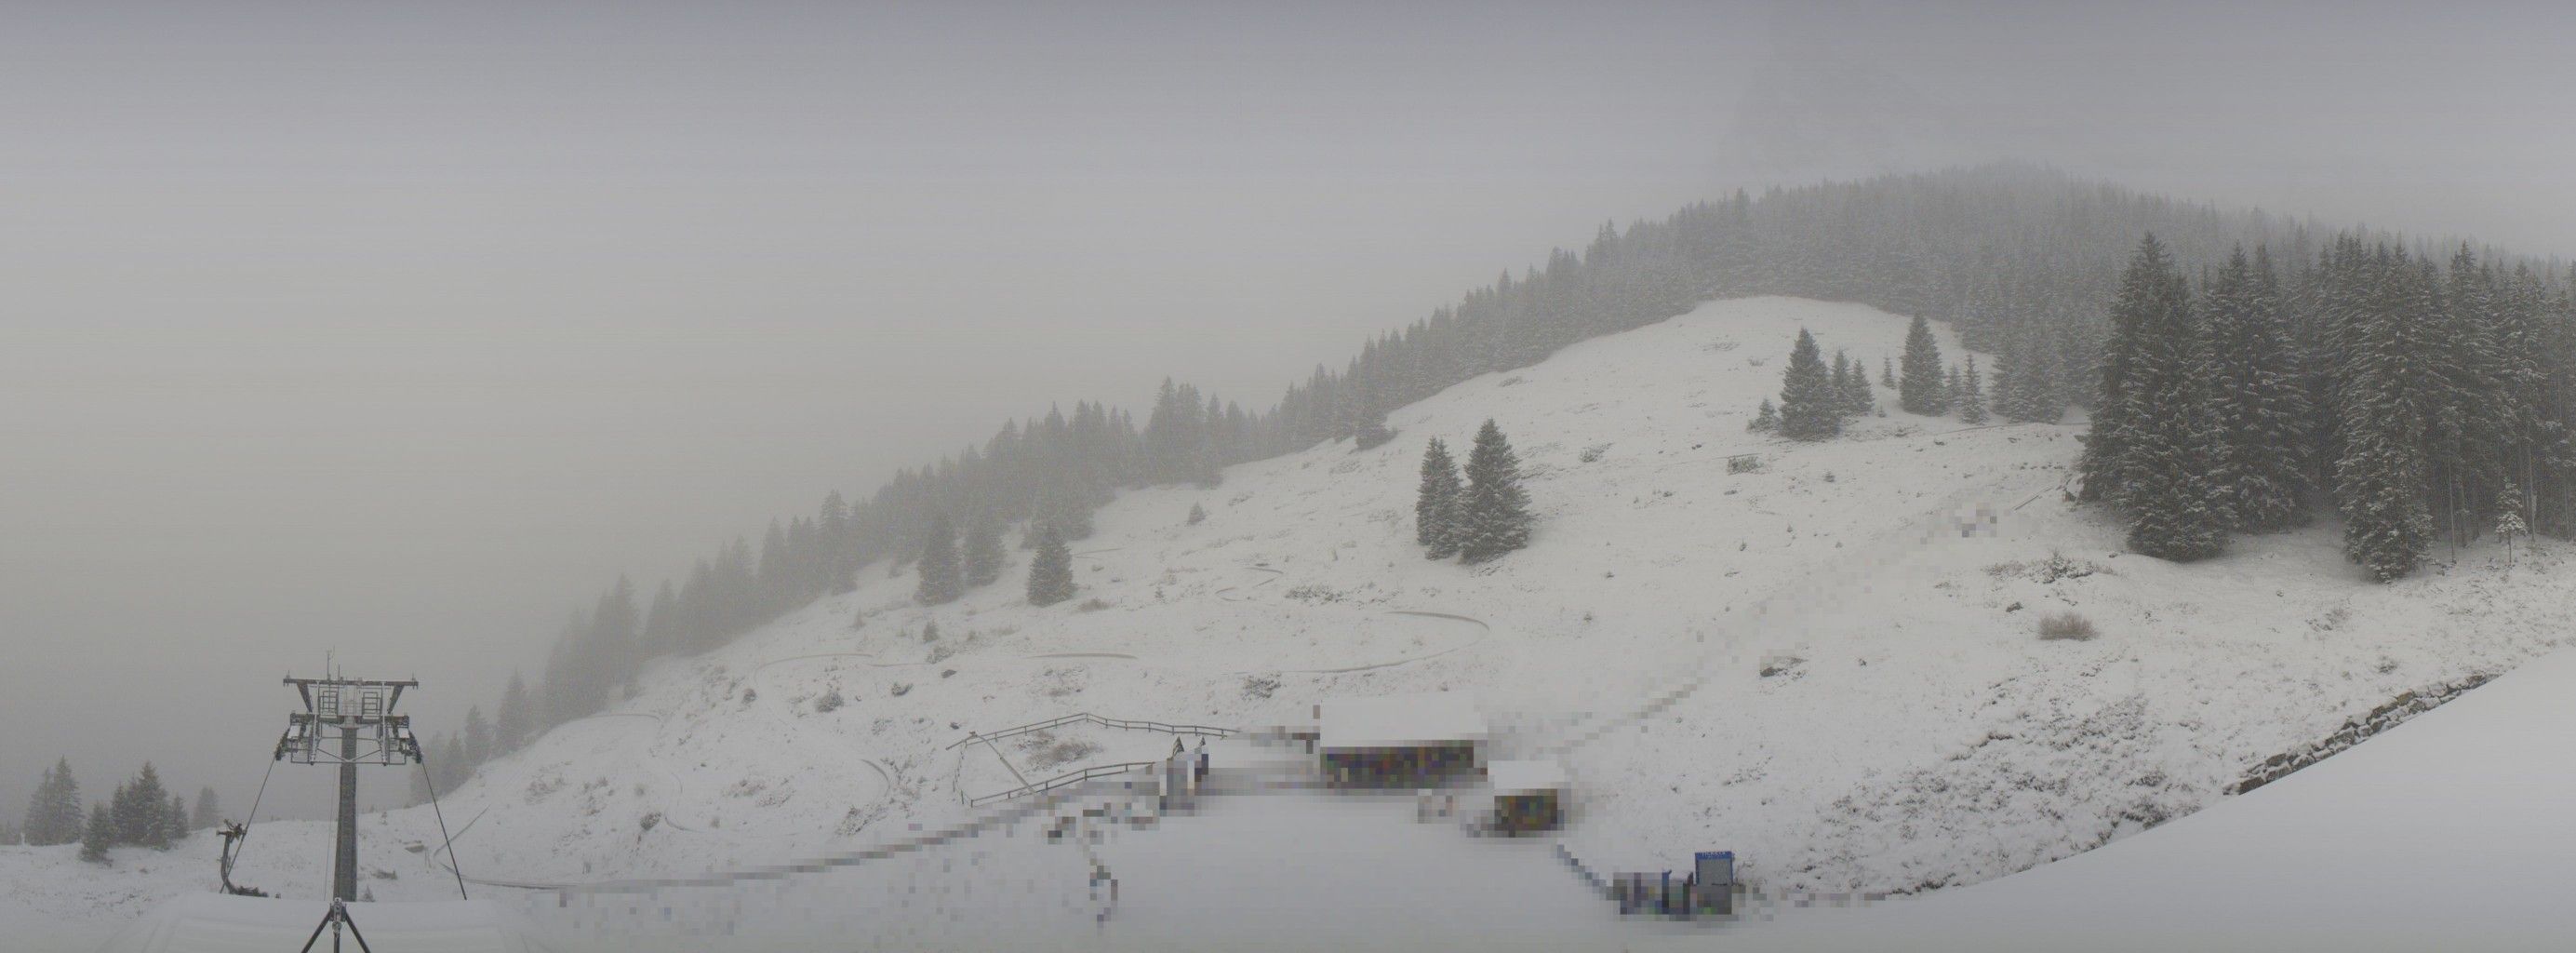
x=398, y=332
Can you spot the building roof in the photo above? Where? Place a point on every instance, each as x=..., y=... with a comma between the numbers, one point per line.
x=1522, y=777
x=1398, y=721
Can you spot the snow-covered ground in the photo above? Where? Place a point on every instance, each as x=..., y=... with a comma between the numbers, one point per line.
x=1829, y=665
x=2450, y=832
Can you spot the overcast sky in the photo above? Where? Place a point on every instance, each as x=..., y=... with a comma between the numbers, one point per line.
x=401, y=329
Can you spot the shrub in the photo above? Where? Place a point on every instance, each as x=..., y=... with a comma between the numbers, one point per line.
x=829, y=703
x=1370, y=436
x=1092, y=605
x=2066, y=625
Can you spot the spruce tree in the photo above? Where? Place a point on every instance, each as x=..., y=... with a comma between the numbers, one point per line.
x=1494, y=518
x=1840, y=378
x=2509, y=525
x=1766, y=419
x=1197, y=515
x=2382, y=477
x=209, y=811
x=54, y=811
x=1436, y=522
x=1887, y=370
x=1809, y=405
x=941, y=578
x=137, y=810
x=983, y=551
x=2150, y=292
x=1972, y=395
x=2170, y=479
x=517, y=717
x=2261, y=413
x=453, y=770
x=2043, y=394
x=1858, y=400
x=1920, y=390
x=1051, y=570
x=174, y=823
x=478, y=736
x=98, y=835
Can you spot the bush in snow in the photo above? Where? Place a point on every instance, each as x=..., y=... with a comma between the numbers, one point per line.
x=1198, y=514
x=2066, y=625
x=1371, y=435
x=829, y=703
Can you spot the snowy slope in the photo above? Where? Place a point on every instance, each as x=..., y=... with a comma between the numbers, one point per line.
x=2448, y=832
x=1913, y=731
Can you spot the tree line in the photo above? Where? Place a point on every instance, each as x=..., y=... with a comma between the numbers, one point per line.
x=2427, y=404
x=140, y=813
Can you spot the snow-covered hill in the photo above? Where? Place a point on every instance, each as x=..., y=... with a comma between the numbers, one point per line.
x=1829, y=664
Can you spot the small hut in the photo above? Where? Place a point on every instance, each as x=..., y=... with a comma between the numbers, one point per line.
x=1399, y=741
x=1529, y=796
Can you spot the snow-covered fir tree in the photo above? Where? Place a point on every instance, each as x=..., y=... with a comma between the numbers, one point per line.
x=1972, y=395
x=1051, y=569
x=2382, y=477
x=98, y=835
x=1922, y=390
x=982, y=560
x=1810, y=407
x=1493, y=515
x=1840, y=379
x=174, y=822
x=2151, y=293
x=1858, y=399
x=139, y=810
x=516, y=717
x=942, y=579
x=478, y=736
x=1766, y=418
x=54, y=811
x=2259, y=410
x=208, y=812
x=1437, y=519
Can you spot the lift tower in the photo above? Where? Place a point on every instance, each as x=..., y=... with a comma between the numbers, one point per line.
x=348, y=722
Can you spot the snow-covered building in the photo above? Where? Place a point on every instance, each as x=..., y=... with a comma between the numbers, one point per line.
x=1399, y=740
x=1529, y=796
